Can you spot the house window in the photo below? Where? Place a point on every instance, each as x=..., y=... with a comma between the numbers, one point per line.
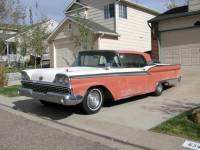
x=109, y=11
x=123, y=11
x=69, y=27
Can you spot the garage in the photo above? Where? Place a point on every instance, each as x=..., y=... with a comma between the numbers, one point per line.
x=176, y=35
x=180, y=46
x=64, y=52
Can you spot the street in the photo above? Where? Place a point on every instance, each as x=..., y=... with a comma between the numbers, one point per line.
x=17, y=133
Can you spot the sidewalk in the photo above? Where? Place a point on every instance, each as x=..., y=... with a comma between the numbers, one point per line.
x=140, y=139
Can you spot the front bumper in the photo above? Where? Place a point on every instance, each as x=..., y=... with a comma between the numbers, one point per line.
x=68, y=99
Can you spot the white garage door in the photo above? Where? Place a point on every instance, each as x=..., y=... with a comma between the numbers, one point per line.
x=64, y=52
x=181, y=46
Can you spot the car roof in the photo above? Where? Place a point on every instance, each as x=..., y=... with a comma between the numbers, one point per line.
x=147, y=56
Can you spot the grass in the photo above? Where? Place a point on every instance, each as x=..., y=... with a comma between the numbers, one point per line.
x=10, y=91
x=180, y=126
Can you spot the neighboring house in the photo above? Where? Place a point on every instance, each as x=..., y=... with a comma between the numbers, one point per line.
x=176, y=35
x=7, y=31
x=12, y=52
x=116, y=24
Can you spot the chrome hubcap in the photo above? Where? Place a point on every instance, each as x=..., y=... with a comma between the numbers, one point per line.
x=159, y=88
x=94, y=99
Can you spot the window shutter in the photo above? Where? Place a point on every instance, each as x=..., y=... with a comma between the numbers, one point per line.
x=123, y=11
x=112, y=10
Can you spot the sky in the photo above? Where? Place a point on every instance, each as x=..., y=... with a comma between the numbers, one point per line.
x=54, y=9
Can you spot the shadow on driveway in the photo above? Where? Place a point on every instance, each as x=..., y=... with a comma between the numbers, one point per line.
x=54, y=112
x=111, y=103
x=176, y=107
x=58, y=112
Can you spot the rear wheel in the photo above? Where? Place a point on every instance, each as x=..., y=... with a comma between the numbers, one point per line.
x=158, y=90
x=93, y=101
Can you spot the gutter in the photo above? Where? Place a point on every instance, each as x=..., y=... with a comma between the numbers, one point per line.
x=172, y=16
x=78, y=9
x=107, y=33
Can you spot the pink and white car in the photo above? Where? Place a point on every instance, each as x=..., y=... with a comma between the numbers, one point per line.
x=97, y=76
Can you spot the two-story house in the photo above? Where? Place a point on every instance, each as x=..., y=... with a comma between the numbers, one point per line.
x=176, y=35
x=116, y=24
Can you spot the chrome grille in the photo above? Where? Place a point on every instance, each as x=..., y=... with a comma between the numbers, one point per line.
x=45, y=87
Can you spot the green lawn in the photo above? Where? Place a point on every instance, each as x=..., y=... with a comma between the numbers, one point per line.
x=180, y=126
x=10, y=91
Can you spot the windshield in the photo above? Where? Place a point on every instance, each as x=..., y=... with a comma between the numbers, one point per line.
x=97, y=59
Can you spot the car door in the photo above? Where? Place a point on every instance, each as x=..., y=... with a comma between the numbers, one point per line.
x=136, y=75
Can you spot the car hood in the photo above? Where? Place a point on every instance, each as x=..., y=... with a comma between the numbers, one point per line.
x=50, y=73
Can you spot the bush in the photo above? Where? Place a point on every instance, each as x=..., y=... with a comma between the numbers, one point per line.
x=3, y=77
x=195, y=116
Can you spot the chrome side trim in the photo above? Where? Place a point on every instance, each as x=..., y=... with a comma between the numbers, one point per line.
x=139, y=73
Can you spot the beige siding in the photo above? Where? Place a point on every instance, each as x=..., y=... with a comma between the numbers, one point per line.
x=135, y=34
x=194, y=5
x=65, y=52
x=63, y=46
x=50, y=46
x=64, y=32
x=96, y=12
x=178, y=23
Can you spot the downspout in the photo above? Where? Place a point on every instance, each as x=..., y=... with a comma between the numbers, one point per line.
x=54, y=55
x=149, y=25
x=115, y=19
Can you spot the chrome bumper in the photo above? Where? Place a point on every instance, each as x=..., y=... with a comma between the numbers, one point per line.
x=68, y=99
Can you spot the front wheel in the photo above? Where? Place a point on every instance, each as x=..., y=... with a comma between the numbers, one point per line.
x=93, y=101
x=158, y=90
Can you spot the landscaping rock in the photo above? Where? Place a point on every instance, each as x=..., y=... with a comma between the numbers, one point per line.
x=195, y=117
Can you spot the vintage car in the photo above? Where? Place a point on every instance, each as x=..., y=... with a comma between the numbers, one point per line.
x=98, y=75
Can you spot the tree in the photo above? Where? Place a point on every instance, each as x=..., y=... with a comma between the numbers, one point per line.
x=32, y=39
x=11, y=12
x=84, y=39
x=2, y=46
x=38, y=42
x=37, y=36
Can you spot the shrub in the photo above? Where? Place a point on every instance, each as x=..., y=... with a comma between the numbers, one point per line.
x=3, y=77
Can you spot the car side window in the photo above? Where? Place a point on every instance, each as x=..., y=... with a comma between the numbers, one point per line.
x=132, y=60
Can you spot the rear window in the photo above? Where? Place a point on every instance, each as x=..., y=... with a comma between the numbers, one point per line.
x=132, y=60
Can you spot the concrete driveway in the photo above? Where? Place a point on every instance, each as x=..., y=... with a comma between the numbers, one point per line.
x=141, y=113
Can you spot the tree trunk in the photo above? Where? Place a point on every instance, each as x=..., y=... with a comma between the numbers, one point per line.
x=41, y=61
x=35, y=62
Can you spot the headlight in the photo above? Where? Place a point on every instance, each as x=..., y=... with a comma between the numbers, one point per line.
x=61, y=79
x=24, y=76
